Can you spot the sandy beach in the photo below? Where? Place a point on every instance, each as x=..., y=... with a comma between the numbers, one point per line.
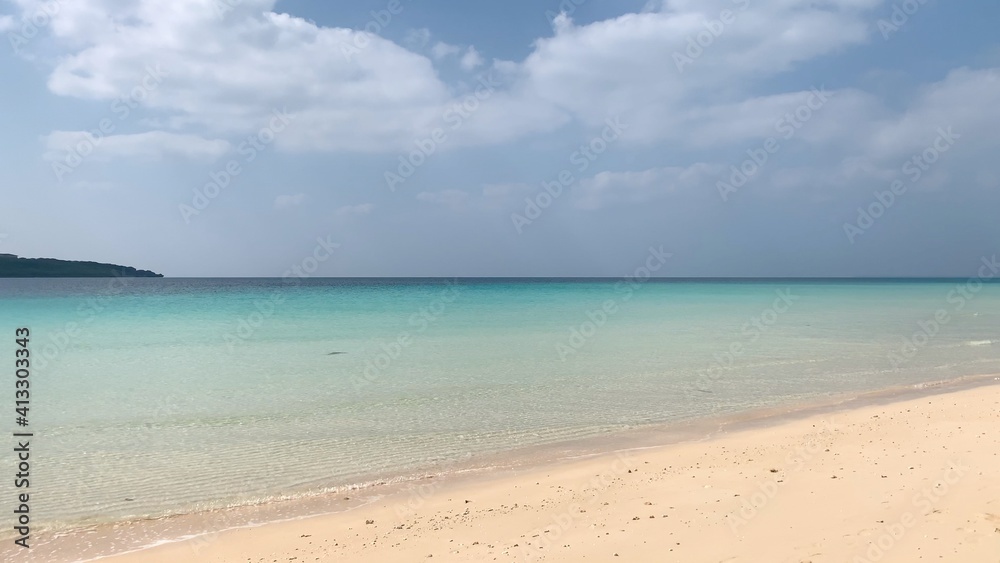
x=910, y=480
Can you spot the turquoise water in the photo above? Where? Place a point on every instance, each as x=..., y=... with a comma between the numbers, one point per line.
x=182, y=395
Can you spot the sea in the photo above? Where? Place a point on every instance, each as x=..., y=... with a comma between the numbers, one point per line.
x=156, y=397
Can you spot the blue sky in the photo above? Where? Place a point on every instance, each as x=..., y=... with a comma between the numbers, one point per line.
x=312, y=115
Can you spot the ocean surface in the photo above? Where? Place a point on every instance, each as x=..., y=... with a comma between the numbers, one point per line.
x=152, y=397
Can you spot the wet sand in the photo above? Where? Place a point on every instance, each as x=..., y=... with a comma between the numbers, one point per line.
x=904, y=477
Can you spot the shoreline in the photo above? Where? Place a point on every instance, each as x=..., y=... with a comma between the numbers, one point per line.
x=134, y=540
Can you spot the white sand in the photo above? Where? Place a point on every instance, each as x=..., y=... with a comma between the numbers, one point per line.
x=915, y=480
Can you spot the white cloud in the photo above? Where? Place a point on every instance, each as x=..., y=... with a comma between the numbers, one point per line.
x=815, y=115
x=966, y=100
x=869, y=143
x=855, y=141
x=417, y=38
x=152, y=145
x=285, y=201
x=441, y=50
x=471, y=59
x=361, y=209
x=608, y=188
x=7, y=22
x=468, y=58
x=592, y=71
x=225, y=75
x=228, y=73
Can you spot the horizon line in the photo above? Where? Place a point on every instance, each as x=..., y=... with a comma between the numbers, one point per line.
x=540, y=278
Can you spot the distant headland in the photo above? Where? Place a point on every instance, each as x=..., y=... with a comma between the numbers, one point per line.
x=12, y=266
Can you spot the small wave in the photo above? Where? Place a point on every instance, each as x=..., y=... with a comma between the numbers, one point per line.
x=982, y=342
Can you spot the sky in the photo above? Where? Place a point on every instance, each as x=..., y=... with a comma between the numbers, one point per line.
x=744, y=138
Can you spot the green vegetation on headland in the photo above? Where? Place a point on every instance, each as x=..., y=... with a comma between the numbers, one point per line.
x=11, y=266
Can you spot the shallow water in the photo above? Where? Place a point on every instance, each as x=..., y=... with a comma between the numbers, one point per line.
x=169, y=395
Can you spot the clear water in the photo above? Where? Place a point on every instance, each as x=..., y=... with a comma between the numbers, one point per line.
x=182, y=395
